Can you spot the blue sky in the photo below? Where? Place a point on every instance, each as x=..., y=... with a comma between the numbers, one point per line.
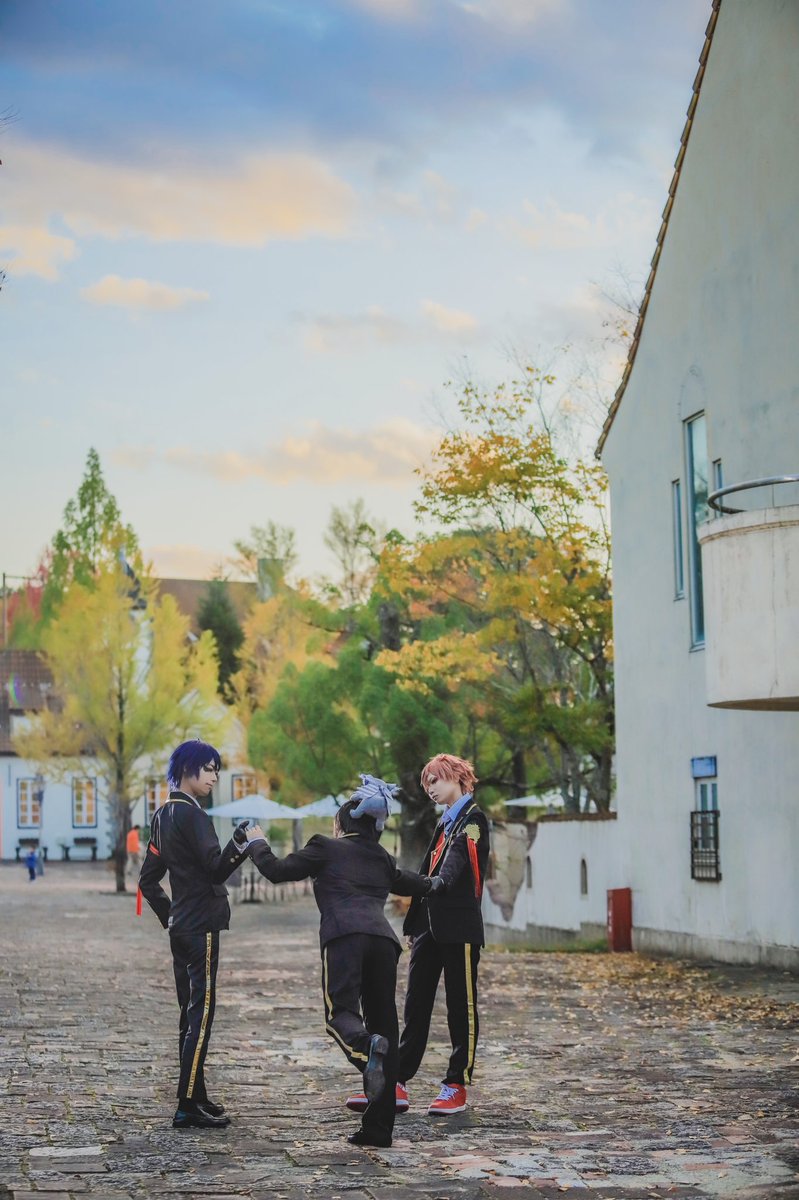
x=247, y=242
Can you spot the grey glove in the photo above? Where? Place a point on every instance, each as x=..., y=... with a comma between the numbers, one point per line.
x=240, y=836
x=437, y=886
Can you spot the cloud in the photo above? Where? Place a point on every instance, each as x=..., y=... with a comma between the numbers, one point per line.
x=35, y=251
x=402, y=73
x=347, y=332
x=261, y=198
x=386, y=454
x=140, y=294
x=555, y=228
x=392, y=10
x=448, y=320
x=475, y=219
x=493, y=12
x=351, y=332
x=435, y=200
x=511, y=12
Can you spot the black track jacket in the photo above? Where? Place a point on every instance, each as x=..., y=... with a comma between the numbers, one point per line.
x=352, y=877
x=183, y=841
x=454, y=915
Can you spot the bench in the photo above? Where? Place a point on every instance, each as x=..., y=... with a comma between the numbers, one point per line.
x=29, y=843
x=80, y=843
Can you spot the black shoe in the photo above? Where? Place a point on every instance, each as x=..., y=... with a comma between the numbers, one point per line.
x=363, y=1138
x=198, y=1118
x=373, y=1078
x=216, y=1110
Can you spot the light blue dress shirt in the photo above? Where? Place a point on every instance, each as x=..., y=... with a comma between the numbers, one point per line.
x=451, y=813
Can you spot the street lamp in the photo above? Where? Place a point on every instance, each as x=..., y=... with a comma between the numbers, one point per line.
x=38, y=795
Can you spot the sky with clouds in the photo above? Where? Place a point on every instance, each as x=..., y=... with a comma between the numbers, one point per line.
x=247, y=241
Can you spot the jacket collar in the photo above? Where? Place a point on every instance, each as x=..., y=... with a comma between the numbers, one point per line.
x=185, y=798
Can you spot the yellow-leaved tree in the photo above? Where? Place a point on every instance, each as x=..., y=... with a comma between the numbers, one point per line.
x=129, y=684
x=510, y=597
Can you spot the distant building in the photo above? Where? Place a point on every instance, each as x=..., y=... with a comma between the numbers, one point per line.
x=68, y=816
x=190, y=593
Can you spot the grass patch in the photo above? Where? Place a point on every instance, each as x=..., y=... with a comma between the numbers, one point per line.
x=578, y=946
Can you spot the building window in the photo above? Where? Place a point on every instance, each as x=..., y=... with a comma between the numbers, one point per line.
x=677, y=527
x=84, y=803
x=697, y=478
x=583, y=877
x=156, y=792
x=29, y=808
x=529, y=874
x=243, y=785
x=705, y=858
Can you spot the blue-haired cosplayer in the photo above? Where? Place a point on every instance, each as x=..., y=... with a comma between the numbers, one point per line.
x=352, y=877
x=183, y=842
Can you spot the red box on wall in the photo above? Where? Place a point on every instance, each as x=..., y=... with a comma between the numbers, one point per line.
x=620, y=919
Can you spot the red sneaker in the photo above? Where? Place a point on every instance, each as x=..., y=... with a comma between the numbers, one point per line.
x=451, y=1099
x=358, y=1103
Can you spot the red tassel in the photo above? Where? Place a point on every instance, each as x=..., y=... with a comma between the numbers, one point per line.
x=138, y=902
x=478, y=883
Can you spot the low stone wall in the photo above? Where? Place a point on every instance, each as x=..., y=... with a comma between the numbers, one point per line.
x=550, y=879
x=689, y=945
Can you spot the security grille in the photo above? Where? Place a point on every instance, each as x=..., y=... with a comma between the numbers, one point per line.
x=705, y=861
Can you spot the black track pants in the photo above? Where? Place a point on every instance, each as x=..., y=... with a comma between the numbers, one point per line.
x=459, y=963
x=195, y=959
x=359, y=982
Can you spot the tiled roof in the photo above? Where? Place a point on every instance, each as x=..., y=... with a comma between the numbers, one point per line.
x=675, y=179
x=25, y=686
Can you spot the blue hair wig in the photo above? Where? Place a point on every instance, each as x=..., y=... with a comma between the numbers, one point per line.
x=188, y=759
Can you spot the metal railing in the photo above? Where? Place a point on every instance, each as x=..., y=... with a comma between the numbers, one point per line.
x=248, y=886
x=705, y=858
x=771, y=481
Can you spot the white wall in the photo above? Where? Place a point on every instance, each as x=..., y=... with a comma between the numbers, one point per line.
x=56, y=814
x=720, y=336
x=554, y=901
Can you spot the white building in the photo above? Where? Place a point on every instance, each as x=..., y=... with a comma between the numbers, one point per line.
x=707, y=668
x=710, y=397
x=68, y=817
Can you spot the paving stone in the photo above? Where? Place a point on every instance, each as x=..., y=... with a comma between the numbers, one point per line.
x=597, y=1077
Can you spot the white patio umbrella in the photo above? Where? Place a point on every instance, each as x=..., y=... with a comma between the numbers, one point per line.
x=328, y=806
x=257, y=808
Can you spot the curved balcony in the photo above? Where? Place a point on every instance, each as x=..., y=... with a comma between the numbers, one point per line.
x=750, y=568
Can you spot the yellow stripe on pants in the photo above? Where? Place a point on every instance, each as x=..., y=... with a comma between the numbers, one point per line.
x=206, y=1007
x=329, y=1015
x=467, y=1074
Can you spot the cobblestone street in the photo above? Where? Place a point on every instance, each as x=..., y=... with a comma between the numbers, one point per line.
x=598, y=1076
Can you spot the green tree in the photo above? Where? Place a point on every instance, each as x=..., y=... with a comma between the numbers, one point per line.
x=93, y=537
x=354, y=540
x=217, y=614
x=267, y=556
x=308, y=733
x=128, y=684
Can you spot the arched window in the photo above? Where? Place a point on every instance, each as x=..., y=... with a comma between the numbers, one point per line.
x=583, y=877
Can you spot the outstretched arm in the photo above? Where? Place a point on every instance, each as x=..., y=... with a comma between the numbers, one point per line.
x=302, y=864
x=409, y=883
